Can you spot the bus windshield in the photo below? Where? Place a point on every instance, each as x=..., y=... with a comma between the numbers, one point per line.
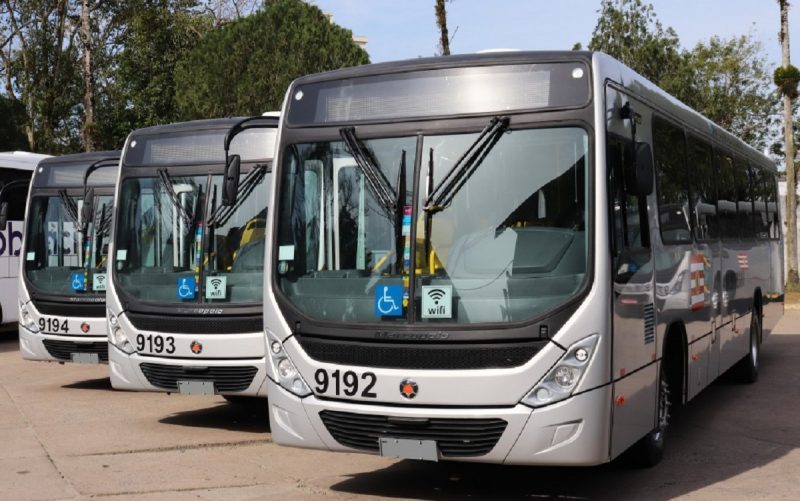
x=508, y=243
x=64, y=256
x=176, y=244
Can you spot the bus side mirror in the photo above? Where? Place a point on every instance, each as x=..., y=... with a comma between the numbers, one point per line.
x=230, y=185
x=87, y=211
x=3, y=215
x=639, y=169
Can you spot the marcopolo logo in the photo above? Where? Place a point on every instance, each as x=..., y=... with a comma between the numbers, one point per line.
x=11, y=240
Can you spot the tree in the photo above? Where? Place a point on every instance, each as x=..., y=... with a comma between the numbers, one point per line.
x=728, y=81
x=787, y=80
x=630, y=32
x=12, y=136
x=245, y=67
x=441, y=23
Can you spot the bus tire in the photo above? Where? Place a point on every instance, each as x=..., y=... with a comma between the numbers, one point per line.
x=746, y=370
x=649, y=450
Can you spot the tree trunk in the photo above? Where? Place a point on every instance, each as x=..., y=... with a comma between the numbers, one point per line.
x=88, y=85
x=441, y=22
x=791, y=178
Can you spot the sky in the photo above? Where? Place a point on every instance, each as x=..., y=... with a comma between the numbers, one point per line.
x=403, y=29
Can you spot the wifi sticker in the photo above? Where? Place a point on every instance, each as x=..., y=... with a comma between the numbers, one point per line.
x=216, y=287
x=437, y=301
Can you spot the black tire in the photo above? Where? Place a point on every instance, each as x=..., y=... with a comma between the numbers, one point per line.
x=649, y=450
x=746, y=370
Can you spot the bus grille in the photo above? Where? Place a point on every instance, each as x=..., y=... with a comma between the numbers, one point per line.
x=454, y=437
x=225, y=379
x=441, y=356
x=63, y=350
x=197, y=325
x=71, y=309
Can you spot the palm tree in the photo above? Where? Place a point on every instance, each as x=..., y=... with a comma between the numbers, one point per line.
x=788, y=134
x=441, y=22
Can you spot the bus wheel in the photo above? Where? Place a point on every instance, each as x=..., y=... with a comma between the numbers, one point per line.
x=649, y=450
x=746, y=370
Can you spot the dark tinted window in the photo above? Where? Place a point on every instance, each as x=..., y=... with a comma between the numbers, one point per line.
x=673, y=194
x=744, y=199
x=703, y=190
x=773, y=208
x=726, y=192
x=760, y=188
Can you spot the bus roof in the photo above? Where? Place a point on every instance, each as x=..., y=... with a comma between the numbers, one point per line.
x=21, y=160
x=68, y=170
x=210, y=123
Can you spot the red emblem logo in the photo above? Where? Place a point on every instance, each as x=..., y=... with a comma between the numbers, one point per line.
x=196, y=347
x=408, y=388
x=85, y=328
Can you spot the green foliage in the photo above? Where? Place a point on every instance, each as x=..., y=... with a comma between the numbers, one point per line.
x=12, y=136
x=787, y=79
x=629, y=31
x=159, y=33
x=245, y=67
x=727, y=80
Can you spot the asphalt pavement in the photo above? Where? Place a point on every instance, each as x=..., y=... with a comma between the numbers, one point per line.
x=64, y=433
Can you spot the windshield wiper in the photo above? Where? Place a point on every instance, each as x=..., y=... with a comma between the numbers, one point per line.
x=442, y=196
x=220, y=215
x=71, y=208
x=376, y=180
x=166, y=184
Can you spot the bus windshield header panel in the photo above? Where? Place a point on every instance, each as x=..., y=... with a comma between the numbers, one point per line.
x=71, y=176
x=198, y=147
x=441, y=92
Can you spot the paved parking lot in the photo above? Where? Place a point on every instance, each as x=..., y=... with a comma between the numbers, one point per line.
x=65, y=434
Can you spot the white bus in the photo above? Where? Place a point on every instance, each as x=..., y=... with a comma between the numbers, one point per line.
x=15, y=167
x=521, y=258
x=185, y=293
x=63, y=273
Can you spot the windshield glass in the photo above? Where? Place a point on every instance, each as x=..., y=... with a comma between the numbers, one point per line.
x=509, y=243
x=338, y=246
x=168, y=251
x=59, y=259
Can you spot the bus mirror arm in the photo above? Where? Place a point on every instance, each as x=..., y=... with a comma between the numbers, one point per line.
x=643, y=167
x=3, y=215
x=87, y=210
x=230, y=186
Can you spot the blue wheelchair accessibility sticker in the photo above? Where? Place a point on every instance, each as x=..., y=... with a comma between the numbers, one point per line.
x=389, y=301
x=77, y=282
x=186, y=288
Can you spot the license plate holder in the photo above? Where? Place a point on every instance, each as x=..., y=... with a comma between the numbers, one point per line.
x=85, y=358
x=405, y=448
x=196, y=387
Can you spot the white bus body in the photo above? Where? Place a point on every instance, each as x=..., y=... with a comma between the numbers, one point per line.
x=185, y=293
x=63, y=275
x=13, y=165
x=506, y=276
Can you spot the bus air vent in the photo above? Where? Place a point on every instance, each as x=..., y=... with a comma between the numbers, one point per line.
x=63, y=350
x=225, y=379
x=649, y=323
x=454, y=437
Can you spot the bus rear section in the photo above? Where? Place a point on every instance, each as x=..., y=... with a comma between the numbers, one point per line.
x=185, y=297
x=16, y=169
x=461, y=269
x=63, y=279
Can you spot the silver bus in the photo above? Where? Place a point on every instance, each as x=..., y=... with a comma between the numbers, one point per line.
x=16, y=168
x=62, y=279
x=185, y=289
x=522, y=258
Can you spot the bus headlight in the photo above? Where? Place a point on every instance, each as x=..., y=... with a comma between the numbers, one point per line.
x=117, y=336
x=283, y=370
x=26, y=319
x=565, y=375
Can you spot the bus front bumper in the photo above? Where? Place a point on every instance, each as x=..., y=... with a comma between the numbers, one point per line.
x=58, y=348
x=572, y=432
x=169, y=375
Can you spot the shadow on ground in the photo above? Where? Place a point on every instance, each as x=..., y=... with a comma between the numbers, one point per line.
x=102, y=383
x=725, y=432
x=248, y=416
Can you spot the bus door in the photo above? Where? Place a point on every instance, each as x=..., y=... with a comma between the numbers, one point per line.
x=634, y=336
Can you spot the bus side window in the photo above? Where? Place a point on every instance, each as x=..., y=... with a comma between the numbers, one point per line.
x=760, y=187
x=744, y=200
x=726, y=203
x=669, y=150
x=772, y=207
x=629, y=212
x=703, y=190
